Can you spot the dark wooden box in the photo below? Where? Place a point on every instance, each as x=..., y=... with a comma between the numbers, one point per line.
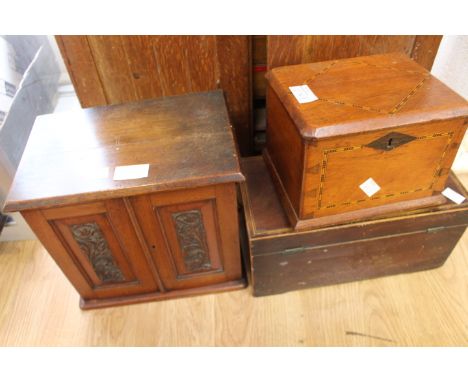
x=282, y=259
x=378, y=118
x=169, y=232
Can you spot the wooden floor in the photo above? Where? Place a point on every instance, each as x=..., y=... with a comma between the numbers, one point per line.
x=39, y=307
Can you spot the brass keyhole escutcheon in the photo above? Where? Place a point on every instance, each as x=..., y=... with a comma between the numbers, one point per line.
x=391, y=141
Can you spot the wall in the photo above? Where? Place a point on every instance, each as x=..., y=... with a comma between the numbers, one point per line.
x=36, y=95
x=451, y=63
x=451, y=67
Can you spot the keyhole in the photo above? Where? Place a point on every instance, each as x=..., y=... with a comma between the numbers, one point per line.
x=389, y=144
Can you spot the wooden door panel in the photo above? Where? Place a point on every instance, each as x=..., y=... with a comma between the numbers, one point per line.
x=95, y=249
x=103, y=246
x=191, y=235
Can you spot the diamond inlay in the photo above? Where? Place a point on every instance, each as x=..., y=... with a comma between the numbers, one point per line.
x=396, y=86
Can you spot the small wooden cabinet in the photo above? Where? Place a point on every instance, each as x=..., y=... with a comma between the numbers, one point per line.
x=173, y=232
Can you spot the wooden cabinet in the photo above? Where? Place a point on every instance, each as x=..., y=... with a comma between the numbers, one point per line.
x=169, y=232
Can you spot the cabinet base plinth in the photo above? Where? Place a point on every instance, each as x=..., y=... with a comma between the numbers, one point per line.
x=158, y=296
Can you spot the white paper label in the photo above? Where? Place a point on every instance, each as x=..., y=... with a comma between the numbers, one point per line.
x=369, y=187
x=303, y=94
x=453, y=195
x=136, y=171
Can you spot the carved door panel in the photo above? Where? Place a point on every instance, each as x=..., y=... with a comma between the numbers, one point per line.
x=103, y=246
x=189, y=235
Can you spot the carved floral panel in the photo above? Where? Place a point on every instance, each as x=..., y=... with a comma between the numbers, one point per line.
x=192, y=240
x=94, y=245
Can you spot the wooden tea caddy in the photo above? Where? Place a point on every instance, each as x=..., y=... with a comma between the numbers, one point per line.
x=383, y=119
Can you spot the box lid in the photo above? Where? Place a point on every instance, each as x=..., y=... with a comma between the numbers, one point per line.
x=186, y=141
x=364, y=94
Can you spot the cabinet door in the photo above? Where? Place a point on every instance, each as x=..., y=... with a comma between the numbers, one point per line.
x=192, y=235
x=96, y=247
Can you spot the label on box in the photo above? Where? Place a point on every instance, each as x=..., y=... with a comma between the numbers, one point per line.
x=303, y=94
x=453, y=195
x=370, y=187
x=136, y=171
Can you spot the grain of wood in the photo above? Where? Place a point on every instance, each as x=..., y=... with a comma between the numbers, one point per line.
x=38, y=306
x=108, y=70
x=143, y=66
x=79, y=59
x=291, y=50
x=113, y=67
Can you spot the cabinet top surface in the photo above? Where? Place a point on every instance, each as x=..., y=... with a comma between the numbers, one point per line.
x=363, y=94
x=183, y=142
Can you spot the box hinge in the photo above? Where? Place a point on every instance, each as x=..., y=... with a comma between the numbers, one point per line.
x=293, y=251
x=435, y=229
